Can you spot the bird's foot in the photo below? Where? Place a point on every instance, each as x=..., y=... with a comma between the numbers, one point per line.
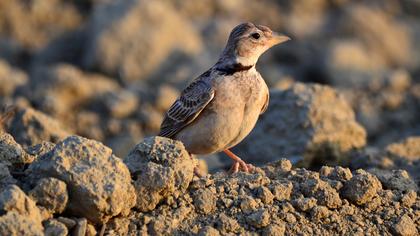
x=199, y=172
x=239, y=164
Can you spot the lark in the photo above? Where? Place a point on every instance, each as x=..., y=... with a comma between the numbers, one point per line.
x=219, y=109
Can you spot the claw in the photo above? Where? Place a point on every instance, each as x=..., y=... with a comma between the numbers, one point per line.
x=239, y=164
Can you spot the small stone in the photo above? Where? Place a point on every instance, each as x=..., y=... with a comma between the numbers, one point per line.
x=208, y=231
x=55, y=228
x=11, y=153
x=290, y=218
x=248, y=204
x=5, y=177
x=304, y=204
x=319, y=212
x=336, y=173
x=361, y=188
x=91, y=231
x=282, y=191
x=120, y=104
x=51, y=193
x=274, y=230
x=405, y=226
x=259, y=219
x=283, y=165
x=40, y=148
x=322, y=192
x=227, y=224
x=265, y=195
x=80, y=228
x=204, y=201
x=69, y=223
x=119, y=226
x=409, y=198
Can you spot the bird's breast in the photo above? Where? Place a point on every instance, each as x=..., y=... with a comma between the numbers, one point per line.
x=229, y=117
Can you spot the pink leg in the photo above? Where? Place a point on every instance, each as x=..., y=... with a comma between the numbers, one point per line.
x=238, y=163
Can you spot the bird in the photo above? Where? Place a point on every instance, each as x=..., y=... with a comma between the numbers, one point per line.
x=219, y=108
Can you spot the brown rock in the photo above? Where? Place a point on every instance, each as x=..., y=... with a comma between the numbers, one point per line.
x=81, y=227
x=205, y=201
x=114, y=47
x=361, y=188
x=307, y=120
x=208, y=231
x=166, y=95
x=405, y=226
x=265, y=195
x=117, y=226
x=161, y=168
x=21, y=217
x=63, y=88
x=274, y=230
x=5, y=177
x=120, y=104
x=322, y=192
x=336, y=173
x=10, y=78
x=409, y=198
x=12, y=198
x=13, y=223
x=304, y=204
x=11, y=153
x=319, y=212
x=34, y=24
x=32, y=127
x=227, y=224
x=55, y=228
x=98, y=183
x=51, y=193
x=248, y=204
x=282, y=191
x=259, y=219
x=90, y=230
x=395, y=179
x=408, y=149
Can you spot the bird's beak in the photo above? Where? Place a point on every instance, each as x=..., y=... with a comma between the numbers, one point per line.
x=277, y=38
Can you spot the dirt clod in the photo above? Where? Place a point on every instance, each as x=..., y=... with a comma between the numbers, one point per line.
x=98, y=182
x=361, y=188
x=161, y=167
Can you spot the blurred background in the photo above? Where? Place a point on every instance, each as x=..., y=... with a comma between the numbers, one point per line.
x=108, y=70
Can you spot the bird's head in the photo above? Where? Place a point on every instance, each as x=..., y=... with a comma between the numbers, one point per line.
x=247, y=42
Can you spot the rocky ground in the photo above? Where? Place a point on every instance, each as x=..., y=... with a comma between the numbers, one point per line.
x=84, y=86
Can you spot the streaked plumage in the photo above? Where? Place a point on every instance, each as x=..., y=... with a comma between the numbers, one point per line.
x=220, y=107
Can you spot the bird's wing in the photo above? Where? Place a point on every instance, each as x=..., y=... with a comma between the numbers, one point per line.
x=188, y=106
x=265, y=106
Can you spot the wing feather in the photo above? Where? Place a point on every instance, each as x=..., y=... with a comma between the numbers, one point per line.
x=265, y=106
x=187, y=107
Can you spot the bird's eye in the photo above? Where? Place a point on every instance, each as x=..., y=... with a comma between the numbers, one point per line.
x=255, y=35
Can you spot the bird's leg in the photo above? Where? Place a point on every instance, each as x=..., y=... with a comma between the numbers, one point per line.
x=238, y=163
x=197, y=170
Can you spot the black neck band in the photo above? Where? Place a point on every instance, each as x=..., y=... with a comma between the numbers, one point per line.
x=233, y=68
